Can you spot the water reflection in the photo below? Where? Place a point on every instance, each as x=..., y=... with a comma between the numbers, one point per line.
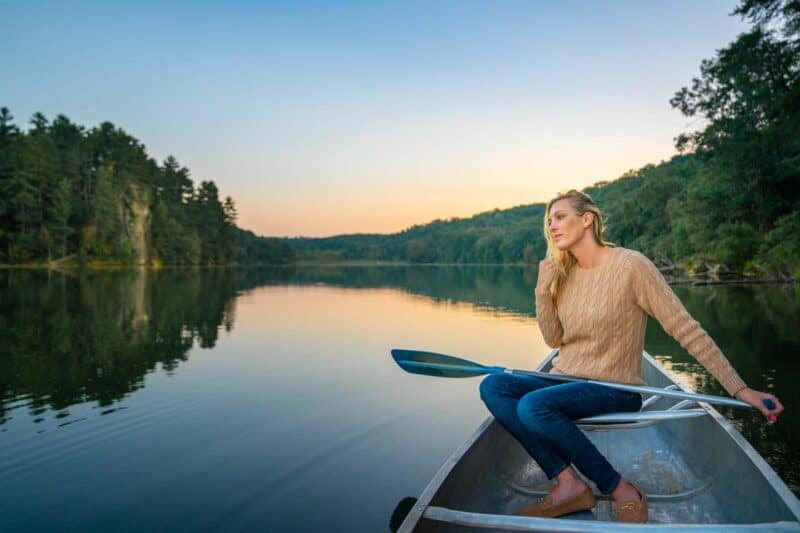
x=497, y=287
x=69, y=338
x=93, y=336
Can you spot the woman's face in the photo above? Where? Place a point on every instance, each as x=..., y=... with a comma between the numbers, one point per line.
x=566, y=226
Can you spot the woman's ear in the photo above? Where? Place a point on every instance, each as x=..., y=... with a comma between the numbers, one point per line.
x=588, y=219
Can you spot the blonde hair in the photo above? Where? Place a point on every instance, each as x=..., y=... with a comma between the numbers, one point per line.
x=564, y=261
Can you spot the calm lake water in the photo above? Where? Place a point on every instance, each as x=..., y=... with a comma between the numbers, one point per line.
x=266, y=399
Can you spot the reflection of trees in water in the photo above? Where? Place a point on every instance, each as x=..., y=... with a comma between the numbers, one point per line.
x=756, y=328
x=93, y=336
x=506, y=288
x=68, y=338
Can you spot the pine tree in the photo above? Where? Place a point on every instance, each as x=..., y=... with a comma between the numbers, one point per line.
x=8, y=137
x=60, y=212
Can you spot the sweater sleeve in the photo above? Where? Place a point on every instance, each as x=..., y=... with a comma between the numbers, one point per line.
x=547, y=318
x=655, y=296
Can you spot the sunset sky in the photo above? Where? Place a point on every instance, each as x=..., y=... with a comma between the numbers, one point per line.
x=326, y=118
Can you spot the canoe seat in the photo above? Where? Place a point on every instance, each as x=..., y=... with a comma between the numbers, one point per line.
x=644, y=417
x=641, y=416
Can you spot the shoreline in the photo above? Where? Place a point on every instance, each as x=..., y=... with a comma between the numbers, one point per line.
x=746, y=281
x=103, y=265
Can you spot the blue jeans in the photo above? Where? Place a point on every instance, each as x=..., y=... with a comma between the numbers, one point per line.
x=539, y=413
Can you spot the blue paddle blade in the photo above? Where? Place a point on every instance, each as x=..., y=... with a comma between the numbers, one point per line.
x=440, y=365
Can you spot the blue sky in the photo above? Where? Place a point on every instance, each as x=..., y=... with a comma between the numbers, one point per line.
x=329, y=117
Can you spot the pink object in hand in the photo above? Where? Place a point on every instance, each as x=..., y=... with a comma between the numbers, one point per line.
x=769, y=404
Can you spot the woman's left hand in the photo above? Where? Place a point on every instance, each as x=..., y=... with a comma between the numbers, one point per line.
x=756, y=399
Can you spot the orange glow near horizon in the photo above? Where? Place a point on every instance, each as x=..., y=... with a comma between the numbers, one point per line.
x=465, y=188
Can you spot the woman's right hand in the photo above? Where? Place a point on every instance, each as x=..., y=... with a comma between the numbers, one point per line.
x=756, y=399
x=547, y=271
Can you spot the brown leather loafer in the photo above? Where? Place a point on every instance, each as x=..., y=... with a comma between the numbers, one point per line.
x=583, y=501
x=633, y=511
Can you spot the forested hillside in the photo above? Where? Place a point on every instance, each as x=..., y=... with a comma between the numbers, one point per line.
x=95, y=196
x=500, y=236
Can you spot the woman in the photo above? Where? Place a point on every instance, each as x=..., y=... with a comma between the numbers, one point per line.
x=592, y=302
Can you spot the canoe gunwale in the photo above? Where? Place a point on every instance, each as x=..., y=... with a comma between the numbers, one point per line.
x=427, y=495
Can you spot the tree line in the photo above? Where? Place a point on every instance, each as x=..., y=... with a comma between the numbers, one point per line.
x=94, y=195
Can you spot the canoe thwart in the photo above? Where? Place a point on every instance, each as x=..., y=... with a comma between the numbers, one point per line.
x=642, y=416
x=526, y=523
x=654, y=398
x=681, y=405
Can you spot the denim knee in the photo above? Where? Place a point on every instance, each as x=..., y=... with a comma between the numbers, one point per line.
x=490, y=386
x=534, y=415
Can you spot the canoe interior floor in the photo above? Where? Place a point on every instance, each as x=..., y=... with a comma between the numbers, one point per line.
x=643, y=456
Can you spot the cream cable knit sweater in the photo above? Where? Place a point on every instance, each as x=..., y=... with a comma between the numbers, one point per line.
x=599, y=324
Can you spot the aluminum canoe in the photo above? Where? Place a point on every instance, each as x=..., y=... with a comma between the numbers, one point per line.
x=699, y=472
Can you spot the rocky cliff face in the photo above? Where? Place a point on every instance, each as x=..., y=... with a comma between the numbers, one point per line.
x=136, y=221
